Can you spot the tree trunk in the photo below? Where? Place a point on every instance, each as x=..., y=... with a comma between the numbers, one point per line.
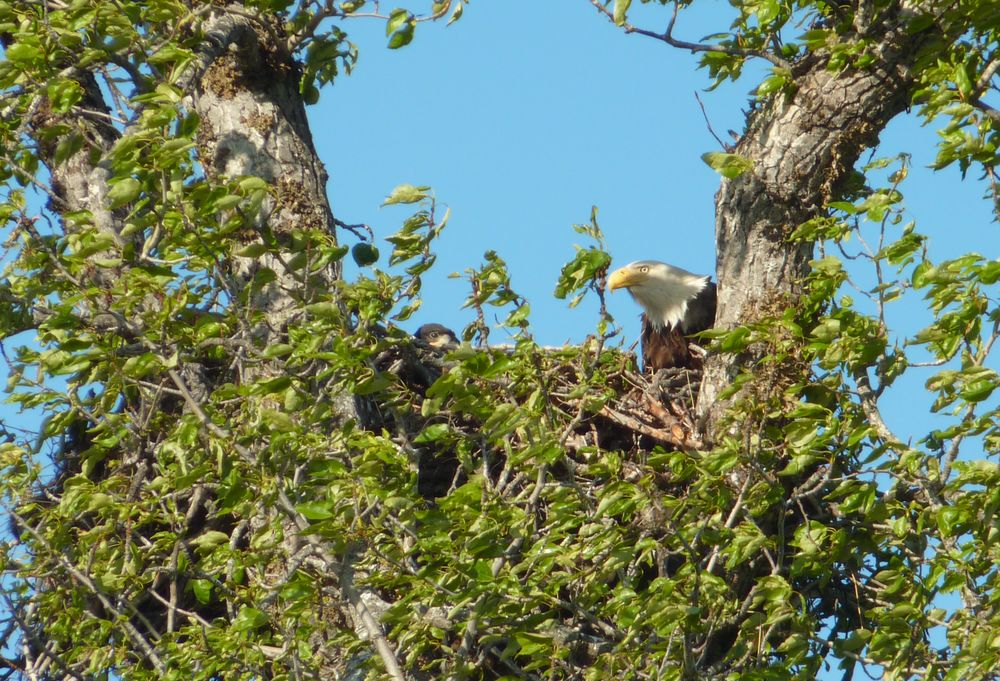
x=803, y=146
x=253, y=123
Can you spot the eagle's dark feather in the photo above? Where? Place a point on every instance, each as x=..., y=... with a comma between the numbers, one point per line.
x=664, y=348
x=668, y=347
x=700, y=315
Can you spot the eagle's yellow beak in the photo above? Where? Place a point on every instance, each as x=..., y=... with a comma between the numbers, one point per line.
x=622, y=278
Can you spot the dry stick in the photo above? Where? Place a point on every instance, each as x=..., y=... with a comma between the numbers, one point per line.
x=635, y=424
x=172, y=605
x=708, y=124
x=371, y=625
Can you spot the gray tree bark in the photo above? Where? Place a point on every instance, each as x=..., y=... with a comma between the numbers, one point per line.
x=803, y=146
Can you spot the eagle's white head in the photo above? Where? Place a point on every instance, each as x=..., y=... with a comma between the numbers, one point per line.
x=662, y=290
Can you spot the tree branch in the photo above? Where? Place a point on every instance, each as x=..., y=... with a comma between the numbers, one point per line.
x=869, y=404
x=134, y=634
x=361, y=610
x=669, y=39
x=991, y=113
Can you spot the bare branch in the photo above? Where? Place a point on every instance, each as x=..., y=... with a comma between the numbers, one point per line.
x=668, y=38
x=869, y=404
x=987, y=75
x=992, y=113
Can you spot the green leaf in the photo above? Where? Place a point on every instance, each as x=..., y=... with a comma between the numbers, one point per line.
x=400, y=27
x=251, y=250
x=979, y=389
x=324, y=310
x=406, y=193
x=64, y=94
x=202, y=589
x=124, y=191
x=278, y=350
x=432, y=433
x=316, y=510
x=270, y=386
x=620, y=11
x=249, y=619
x=582, y=270
x=947, y=518
x=729, y=166
x=962, y=80
x=67, y=146
x=21, y=52
x=277, y=421
x=397, y=18
x=142, y=365
x=210, y=540
x=98, y=501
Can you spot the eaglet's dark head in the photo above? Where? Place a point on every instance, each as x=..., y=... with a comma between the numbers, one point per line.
x=437, y=336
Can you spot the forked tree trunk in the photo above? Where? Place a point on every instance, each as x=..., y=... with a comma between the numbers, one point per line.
x=803, y=146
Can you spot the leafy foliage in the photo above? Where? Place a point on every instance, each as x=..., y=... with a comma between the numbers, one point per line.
x=248, y=469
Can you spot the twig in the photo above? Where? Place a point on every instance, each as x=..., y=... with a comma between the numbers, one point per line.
x=730, y=521
x=987, y=75
x=668, y=38
x=371, y=625
x=708, y=123
x=356, y=229
x=498, y=564
x=992, y=113
x=45, y=647
x=869, y=405
x=134, y=634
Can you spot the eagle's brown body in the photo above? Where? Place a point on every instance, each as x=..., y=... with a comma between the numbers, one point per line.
x=665, y=348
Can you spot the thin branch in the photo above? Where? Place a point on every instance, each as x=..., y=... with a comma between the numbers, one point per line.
x=134, y=634
x=28, y=224
x=708, y=123
x=669, y=39
x=992, y=113
x=987, y=75
x=361, y=610
x=46, y=648
x=663, y=436
x=869, y=404
x=356, y=230
x=734, y=513
x=371, y=624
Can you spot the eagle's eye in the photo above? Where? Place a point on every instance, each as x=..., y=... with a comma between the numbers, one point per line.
x=434, y=334
x=644, y=269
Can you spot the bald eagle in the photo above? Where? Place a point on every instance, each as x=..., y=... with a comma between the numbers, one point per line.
x=676, y=304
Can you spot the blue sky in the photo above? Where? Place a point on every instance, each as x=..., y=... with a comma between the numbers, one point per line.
x=521, y=120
